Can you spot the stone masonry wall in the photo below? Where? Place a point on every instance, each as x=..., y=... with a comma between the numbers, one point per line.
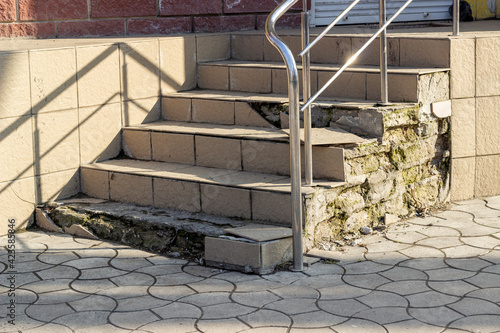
x=405, y=172
x=77, y=18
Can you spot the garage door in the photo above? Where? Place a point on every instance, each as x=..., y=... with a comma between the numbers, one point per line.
x=323, y=12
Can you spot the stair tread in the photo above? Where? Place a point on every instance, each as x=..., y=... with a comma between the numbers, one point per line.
x=326, y=67
x=206, y=175
x=319, y=136
x=202, y=223
x=224, y=95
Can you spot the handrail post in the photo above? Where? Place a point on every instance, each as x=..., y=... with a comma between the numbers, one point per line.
x=456, y=17
x=306, y=94
x=293, y=96
x=384, y=94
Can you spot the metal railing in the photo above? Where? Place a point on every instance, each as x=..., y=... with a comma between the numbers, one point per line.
x=293, y=95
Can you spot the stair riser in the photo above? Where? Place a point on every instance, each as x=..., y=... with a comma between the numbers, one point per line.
x=413, y=51
x=188, y=196
x=356, y=85
x=228, y=153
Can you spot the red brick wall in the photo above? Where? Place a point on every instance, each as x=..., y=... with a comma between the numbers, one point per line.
x=85, y=18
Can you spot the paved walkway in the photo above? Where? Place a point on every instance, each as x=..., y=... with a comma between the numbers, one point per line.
x=433, y=274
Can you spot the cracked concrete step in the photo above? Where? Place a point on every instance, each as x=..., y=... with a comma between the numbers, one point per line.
x=223, y=192
x=243, y=245
x=406, y=84
x=251, y=149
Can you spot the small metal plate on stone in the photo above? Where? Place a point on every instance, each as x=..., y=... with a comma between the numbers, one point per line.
x=329, y=136
x=441, y=109
x=260, y=233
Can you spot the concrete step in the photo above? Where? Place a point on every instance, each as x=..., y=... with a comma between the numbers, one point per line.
x=248, y=246
x=403, y=49
x=406, y=84
x=224, y=192
x=243, y=148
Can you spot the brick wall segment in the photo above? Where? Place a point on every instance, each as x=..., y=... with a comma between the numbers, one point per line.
x=122, y=8
x=190, y=7
x=39, y=30
x=224, y=23
x=92, y=28
x=159, y=25
x=286, y=21
x=48, y=10
x=7, y=10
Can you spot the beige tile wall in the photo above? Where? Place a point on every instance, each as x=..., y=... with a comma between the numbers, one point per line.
x=475, y=125
x=64, y=107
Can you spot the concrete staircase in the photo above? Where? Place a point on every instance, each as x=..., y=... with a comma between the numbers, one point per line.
x=222, y=150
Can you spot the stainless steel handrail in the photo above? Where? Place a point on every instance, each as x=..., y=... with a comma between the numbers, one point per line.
x=353, y=58
x=293, y=96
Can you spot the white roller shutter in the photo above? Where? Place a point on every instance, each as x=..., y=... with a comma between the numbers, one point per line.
x=323, y=12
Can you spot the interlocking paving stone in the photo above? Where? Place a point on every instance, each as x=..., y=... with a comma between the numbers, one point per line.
x=344, y=308
x=446, y=278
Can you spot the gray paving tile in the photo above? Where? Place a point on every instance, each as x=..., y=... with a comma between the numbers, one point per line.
x=489, y=294
x=316, y=319
x=297, y=291
x=23, y=323
x=56, y=328
x=343, y=308
x=91, y=286
x=386, y=258
x=125, y=292
x=182, y=325
x=161, y=260
x=97, y=252
x=343, y=291
x=100, y=273
x=133, y=319
x=441, y=242
x=48, y=285
x=212, y=285
x=413, y=326
x=365, y=267
x=404, y=288
x=472, y=306
x=139, y=303
x=368, y=281
x=359, y=325
x=211, y=298
x=31, y=266
x=468, y=264
x=485, y=323
x=133, y=279
x=201, y=271
x=418, y=252
x=255, y=299
x=404, y=274
x=103, y=328
x=221, y=325
x=321, y=281
x=94, y=303
x=425, y=263
x=55, y=258
x=90, y=262
x=59, y=272
x=158, y=270
x=58, y=297
x=48, y=312
x=176, y=279
x=378, y=299
x=21, y=280
x=456, y=288
x=293, y=305
x=448, y=274
x=170, y=293
x=264, y=318
x=437, y=316
x=256, y=285
x=130, y=264
x=84, y=319
x=430, y=299
x=178, y=310
x=485, y=280
x=22, y=297
x=227, y=310
x=385, y=315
